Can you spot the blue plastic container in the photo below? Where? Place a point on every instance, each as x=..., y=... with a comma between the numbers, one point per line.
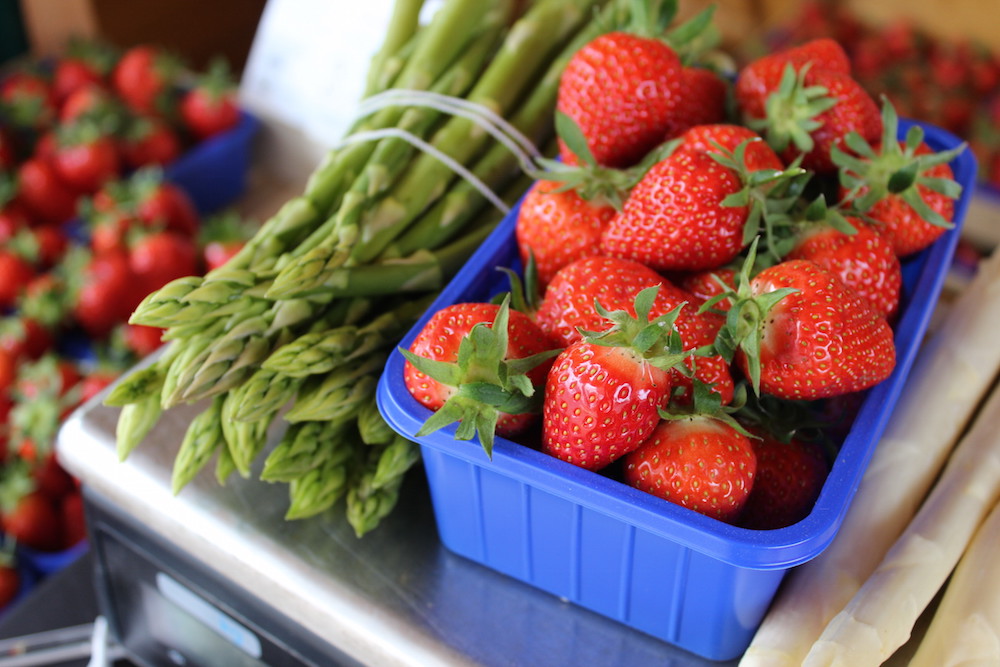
x=690, y=580
x=214, y=172
x=44, y=563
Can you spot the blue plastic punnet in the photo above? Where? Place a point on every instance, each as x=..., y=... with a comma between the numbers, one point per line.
x=688, y=579
x=214, y=172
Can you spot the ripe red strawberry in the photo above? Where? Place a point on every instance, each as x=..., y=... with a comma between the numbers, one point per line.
x=43, y=193
x=26, y=99
x=603, y=394
x=622, y=90
x=157, y=258
x=568, y=303
x=160, y=203
x=675, y=220
x=698, y=462
x=563, y=214
x=144, y=77
x=87, y=158
x=85, y=64
x=706, y=138
x=696, y=208
x=90, y=101
x=557, y=227
x=149, y=140
x=790, y=476
x=710, y=283
x=703, y=100
x=798, y=332
x=811, y=111
x=904, y=186
x=761, y=77
x=142, y=340
x=569, y=306
x=210, y=107
x=478, y=364
x=15, y=274
x=865, y=261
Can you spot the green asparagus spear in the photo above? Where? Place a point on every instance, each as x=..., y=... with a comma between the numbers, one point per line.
x=135, y=421
x=322, y=351
x=372, y=426
x=224, y=466
x=394, y=460
x=337, y=395
x=244, y=440
x=317, y=490
x=528, y=48
x=202, y=439
x=305, y=446
x=403, y=24
x=367, y=504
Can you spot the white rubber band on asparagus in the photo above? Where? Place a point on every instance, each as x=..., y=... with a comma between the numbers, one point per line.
x=481, y=115
x=395, y=132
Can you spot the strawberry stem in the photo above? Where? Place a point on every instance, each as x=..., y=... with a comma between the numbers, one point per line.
x=486, y=384
x=894, y=168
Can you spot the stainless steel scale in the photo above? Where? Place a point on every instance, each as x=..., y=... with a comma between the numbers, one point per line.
x=216, y=576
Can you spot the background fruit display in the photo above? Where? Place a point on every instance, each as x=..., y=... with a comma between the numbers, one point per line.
x=952, y=83
x=90, y=223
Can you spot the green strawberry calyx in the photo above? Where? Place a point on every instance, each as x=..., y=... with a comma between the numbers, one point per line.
x=595, y=183
x=656, y=340
x=791, y=111
x=707, y=403
x=653, y=19
x=786, y=226
x=486, y=383
x=745, y=319
x=770, y=194
x=870, y=174
x=788, y=420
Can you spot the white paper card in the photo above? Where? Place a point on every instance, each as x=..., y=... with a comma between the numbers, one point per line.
x=307, y=67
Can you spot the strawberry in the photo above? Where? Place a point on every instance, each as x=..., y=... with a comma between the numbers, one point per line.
x=623, y=91
x=26, y=99
x=863, y=259
x=624, y=88
x=812, y=111
x=703, y=100
x=478, y=364
x=694, y=209
x=85, y=64
x=708, y=284
x=557, y=227
x=222, y=236
x=790, y=476
x=569, y=306
x=86, y=157
x=804, y=100
x=674, y=218
x=562, y=215
x=145, y=76
x=761, y=77
x=698, y=462
x=709, y=137
x=798, y=332
x=149, y=141
x=905, y=187
x=603, y=394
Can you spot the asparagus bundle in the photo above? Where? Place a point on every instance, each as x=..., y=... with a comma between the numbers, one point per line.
x=293, y=332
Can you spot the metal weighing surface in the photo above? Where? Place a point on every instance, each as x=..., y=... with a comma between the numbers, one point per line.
x=393, y=597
